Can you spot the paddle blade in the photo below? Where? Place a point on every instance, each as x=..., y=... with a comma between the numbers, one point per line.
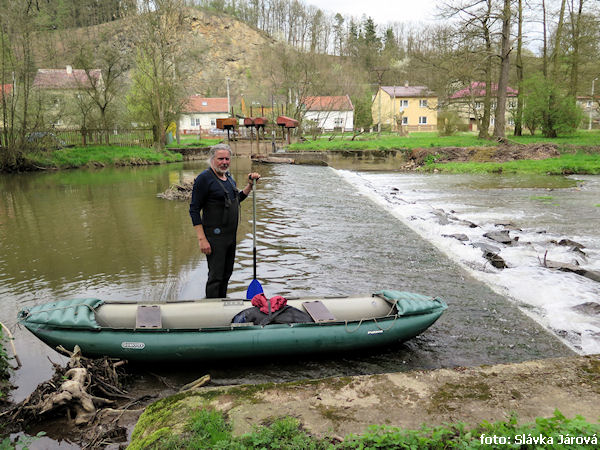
x=253, y=289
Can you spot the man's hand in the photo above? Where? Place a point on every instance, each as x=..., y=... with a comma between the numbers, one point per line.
x=253, y=176
x=204, y=246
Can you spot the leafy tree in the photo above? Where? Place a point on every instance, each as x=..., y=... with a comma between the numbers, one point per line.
x=551, y=109
x=158, y=89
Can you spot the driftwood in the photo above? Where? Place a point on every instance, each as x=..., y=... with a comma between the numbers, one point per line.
x=195, y=384
x=182, y=191
x=77, y=390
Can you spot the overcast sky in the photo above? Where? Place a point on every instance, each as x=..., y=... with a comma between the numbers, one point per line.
x=382, y=11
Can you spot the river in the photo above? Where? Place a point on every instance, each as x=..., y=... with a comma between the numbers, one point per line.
x=321, y=231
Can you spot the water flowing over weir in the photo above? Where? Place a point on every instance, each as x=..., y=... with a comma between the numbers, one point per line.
x=105, y=234
x=539, y=211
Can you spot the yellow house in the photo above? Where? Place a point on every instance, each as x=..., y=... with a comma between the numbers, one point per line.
x=405, y=108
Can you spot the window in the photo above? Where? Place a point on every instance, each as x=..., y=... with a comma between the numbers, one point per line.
x=338, y=122
x=512, y=103
x=405, y=121
x=213, y=122
x=423, y=103
x=589, y=104
x=403, y=103
x=195, y=122
x=422, y=120
x=478, y=105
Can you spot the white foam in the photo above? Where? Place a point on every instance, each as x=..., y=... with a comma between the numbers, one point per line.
x=547, y=296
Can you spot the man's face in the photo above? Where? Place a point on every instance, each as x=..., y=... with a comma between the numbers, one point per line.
x=220, y=162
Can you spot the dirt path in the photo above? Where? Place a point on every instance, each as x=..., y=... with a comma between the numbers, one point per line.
x=340, y=406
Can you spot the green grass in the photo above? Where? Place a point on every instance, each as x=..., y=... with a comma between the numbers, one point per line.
x=193, y=141
x=209, y=429
x=567, y=163
x=4, y=368
x=432, y=139
x=102, y=156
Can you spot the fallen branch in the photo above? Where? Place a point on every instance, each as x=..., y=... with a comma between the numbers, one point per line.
x=79, y=389
x=12, y=344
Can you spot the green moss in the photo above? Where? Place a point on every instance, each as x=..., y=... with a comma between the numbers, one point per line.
x=334, y=414
x=450, y=395
x=150, y=440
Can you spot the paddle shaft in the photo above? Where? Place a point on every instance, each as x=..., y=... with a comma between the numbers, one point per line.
x=254, y=224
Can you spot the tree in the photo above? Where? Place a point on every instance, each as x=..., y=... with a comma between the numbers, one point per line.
x=550, y=108
x=111, y=58
x=519, y=65
x=500, y=123
x=19, y=109
x=158, y=89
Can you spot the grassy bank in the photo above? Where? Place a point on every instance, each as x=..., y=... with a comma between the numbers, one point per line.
x=100, y=156
x=209, y=429
x=432, y=139
x=4, y=369
x=194, y=141
x=568, y=163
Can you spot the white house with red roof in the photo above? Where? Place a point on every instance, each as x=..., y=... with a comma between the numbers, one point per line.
x=201, y=113
x=468, y=102
x=329, y=112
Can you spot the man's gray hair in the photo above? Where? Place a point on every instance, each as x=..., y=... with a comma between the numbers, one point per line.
x=215, y=148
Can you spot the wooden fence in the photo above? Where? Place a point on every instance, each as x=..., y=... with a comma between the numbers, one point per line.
x=135, y=137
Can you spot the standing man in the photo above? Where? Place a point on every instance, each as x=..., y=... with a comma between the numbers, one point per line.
x=216, y=195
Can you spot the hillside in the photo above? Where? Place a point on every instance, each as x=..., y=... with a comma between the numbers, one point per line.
x=230, y=49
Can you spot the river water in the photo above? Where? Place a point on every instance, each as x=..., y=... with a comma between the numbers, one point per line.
x=320, y=231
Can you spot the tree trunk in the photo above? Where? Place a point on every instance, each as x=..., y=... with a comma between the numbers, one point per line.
x=519, y=64
x=575, y=31
x=500, y=122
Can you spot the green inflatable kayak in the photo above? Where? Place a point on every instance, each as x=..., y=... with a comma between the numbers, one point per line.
x=203, y=329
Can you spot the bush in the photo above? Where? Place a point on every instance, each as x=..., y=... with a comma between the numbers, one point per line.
x=448, y=123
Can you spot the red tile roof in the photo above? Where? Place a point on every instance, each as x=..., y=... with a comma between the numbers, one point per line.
x=197, y=104
x=328, y=103
x=477, y=89
x=408, y=91
x=5, y=88
x=65, y=78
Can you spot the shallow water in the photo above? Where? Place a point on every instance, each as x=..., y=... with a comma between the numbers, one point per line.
x=104, y=233
x=539, y=211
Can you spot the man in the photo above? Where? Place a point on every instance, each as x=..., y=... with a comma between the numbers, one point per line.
x=216, y=195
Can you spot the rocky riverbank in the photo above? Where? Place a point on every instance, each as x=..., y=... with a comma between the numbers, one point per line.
x=339, y=406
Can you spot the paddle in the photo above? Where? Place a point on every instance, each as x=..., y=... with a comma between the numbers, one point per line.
x=255, y=287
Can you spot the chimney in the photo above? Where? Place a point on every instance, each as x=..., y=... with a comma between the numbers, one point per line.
x=406, y=83
x=69, y=70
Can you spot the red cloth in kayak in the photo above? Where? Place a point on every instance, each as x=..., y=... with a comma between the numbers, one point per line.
x=260, y=301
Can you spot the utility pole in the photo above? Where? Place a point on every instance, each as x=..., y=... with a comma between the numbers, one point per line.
x=592, y=104
x=228, y=100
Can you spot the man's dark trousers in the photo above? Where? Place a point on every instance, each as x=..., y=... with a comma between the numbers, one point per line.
x=220, y=265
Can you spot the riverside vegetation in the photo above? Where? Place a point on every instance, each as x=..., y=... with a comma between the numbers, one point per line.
x=578, y=153
x=209, y=429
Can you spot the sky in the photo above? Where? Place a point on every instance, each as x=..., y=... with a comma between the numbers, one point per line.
x=382, y=11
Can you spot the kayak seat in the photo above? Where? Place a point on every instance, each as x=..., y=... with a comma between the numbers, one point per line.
x=318, y=311
x=148, y=316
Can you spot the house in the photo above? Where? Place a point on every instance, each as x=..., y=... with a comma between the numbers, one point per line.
x=414, y=108
x=61, y=91
x=201, y=113
x=468, y=103
x=329, y=113
x=591, y=111
x=5, y=89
